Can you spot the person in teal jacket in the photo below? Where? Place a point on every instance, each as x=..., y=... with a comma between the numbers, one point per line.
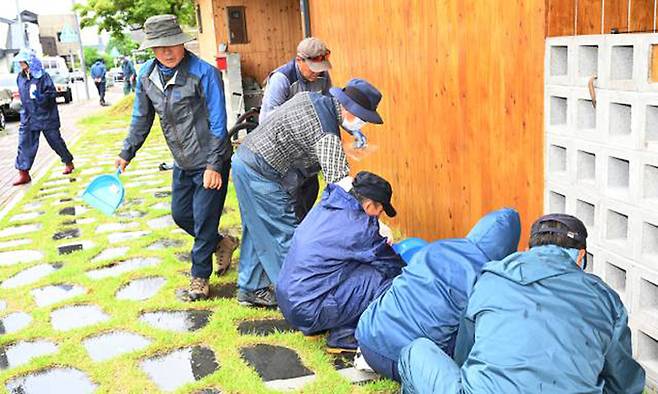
x=535, y=322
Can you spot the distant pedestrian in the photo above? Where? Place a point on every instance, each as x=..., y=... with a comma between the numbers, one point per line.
x=98, y=72
x=39, y=114
x=129, y=75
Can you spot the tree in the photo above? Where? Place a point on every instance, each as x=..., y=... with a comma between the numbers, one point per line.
x=92, y=54
x=114, y=16
x=123, y=43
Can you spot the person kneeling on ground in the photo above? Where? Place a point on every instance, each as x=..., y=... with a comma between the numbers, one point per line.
x=535, y=322
x=429, y=297
x=338, y=262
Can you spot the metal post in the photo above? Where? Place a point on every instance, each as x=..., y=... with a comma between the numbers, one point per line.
x=19, y=20
x=306, y=18
x=82, y=52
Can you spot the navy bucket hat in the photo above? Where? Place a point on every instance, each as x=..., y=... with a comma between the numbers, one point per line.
x=361, y=99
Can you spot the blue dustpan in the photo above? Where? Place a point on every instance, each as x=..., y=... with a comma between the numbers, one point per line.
x=105, y=193
x=407, y=248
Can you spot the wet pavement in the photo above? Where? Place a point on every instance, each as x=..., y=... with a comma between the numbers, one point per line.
x=179, y=321
x=264, y=327
x=14, y=322
x=141, y=289
x=53, y=294
x=274, y=362
x=106, y=346
x=77, y=316
x=21, y=353
x=55, y=380
x=122, y=267
x=30, y=275
x=180, y=367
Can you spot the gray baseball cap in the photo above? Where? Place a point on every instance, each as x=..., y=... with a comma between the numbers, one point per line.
x=315, y=53
x=163, y=31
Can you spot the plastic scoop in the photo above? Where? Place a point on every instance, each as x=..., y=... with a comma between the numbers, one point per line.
x=105, y=193
x=407, y=248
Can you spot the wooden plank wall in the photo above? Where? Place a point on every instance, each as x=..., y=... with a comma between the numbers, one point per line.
x=273, y=28
x=580, y=17
x=207, y=43
x=462, y=84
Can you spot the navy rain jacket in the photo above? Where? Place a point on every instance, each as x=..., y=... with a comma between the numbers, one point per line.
x=39, y=113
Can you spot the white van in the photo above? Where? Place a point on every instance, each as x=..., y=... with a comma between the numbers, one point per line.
x=56, y=67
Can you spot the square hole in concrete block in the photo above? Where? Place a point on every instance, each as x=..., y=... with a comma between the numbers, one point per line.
x=586, y=166
x=621, y=62
x=651, y=126
x=585, y=212
x=620, y=119
x=615, y=276
x=647, y=350
x=558, y=111
x=650, y=181
x=617, y=226
x=648, y=296
x=559, y=60
x=557, y=158
x=589, y=268
x=586, y=114
x=618, y=173
x=588, y=60
x=649, y=239
x=557, y=202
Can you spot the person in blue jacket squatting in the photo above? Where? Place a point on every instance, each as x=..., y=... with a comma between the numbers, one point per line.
x=338, y=262
x=39, y=114
x=188, y=95
x=536, y=322
x=429, y=297
x=298, y=140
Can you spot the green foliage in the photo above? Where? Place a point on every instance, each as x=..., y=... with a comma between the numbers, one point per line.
x=92, y=54
x=123, y=43
x=115, y=16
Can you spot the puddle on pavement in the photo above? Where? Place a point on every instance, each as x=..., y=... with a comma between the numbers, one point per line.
x=14, y=322
x=111, y=253
x=53, y=294
x=15, y=242
x=274, y=362
x=180, y=367
x=161, y=222
x=122, y=267
x=22, y=352
x=68, y=211
x=112, y=344
x=16, y=230
x=26, y=216
x=67, y=234
x=141, y=289
x=54, y=380
x=120, y=237
x=30, y=275
x=132, y=214
x=264, y=327
x=72, y=317
x=113, y=227
x=165, y=243
x=179, y=321
x=19, y=256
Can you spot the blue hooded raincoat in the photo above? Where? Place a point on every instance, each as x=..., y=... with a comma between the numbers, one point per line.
x=429, y=297
x=39, y=110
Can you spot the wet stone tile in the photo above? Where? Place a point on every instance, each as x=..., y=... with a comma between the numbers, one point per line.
x=15, y=242
x=14, y=322
x=53, y=294
x=180, y=367
x=208, y=391
x=162, y=194
x=19, y=256
x=179, y=321
x=32, y=206
x=123, y=267
x=16, y=230
x=127, y=236
x=68, y=211
x=343, y=360
x=274, y=362
x=141, y=289
x=113, y=227
x=69, y=222
x=26, y=216
x=165, y=243
x=72, y=317
x=67, y=249
x=23, y=352
x=67, y=234
x=54, y=380
x=264, y=327
x=161, y=222
x=185, y=257
x=134, y=202
x=106, y=346
x=86, y=220
x=161, y=205
x=131, y=214
x=228, y=290
x=110, y=254
x=30, y=275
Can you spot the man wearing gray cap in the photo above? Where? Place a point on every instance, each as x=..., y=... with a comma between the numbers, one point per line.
x=188, y=96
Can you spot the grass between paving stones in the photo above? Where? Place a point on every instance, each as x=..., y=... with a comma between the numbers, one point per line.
x=97, y=149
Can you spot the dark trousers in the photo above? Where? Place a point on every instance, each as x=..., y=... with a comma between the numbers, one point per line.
x=100, y=86
x=305, y=197
x=28, y=145
x=380, y=364
x=197, y=210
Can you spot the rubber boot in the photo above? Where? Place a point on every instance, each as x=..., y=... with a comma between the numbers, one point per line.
x=68, y=168
x=23, y=178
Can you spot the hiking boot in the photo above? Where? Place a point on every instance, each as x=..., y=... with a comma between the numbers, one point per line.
x=22, y=178
x=260, y=297
x=68, y=168
x=199, y=289
x=225, y=248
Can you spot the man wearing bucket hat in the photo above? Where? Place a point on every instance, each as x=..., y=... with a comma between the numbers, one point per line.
x=39, y=114
x=338, y=262
x=188, y=96
x=535, y=322
x=301, y=138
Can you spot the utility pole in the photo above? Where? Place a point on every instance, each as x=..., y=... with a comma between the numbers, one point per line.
x=82, y=52
x=19, y=20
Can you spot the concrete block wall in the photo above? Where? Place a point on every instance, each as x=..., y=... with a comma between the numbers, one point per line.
x=602, y=166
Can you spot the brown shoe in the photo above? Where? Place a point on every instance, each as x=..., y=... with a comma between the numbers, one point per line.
x=224, y=253
x=199, y=289
x=68, y=168
x=22, y=178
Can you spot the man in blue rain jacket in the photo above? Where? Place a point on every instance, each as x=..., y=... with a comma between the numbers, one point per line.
x=338, y=262
x=429, y=297
x=536, y=322
x=98, y=73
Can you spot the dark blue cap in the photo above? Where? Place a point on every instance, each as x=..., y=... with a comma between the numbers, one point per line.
x=575, y=229
x=361, y=99
x=376, y=188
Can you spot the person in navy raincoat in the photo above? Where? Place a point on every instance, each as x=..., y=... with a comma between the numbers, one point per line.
x=338, y=262
x=38, y=114
x=429, y=297
x=536, y=322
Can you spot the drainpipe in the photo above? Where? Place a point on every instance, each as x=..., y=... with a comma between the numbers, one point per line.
x=306, y=18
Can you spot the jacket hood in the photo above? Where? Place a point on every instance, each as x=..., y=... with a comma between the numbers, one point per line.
x=538, y=263
x=497, y=234
x=336, y=197
x=28, y=56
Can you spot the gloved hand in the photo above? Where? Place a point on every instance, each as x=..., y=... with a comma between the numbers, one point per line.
x=360, y=140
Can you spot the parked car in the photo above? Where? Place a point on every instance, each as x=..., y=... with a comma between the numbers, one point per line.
x=5, y=101
x=77, y=75
x=63, y=87
x=116, y=73
x=55, y=66
x=8, y=82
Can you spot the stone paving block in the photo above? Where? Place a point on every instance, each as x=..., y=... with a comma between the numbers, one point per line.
x=71, y=317
x=123, y=267
x=126, y=236
x=23, y=352
x=74, y=247
x=15, y=242
x=26, y=216
x=19, y=230
x=29, y=207
x=165, y=244
x=67, y=234
x=53, y=294
x=179, y=321
x=274, y=363
x=175, y=369
x=110, y=254
x=19, y=256
x=68, y=211
x=54, y=380
x=161, y=222
x=106, y=346
x=264, y=327
x=141, y=289
x=14, y=322
x=30, y=275
x=116, y=227
x=131, y=214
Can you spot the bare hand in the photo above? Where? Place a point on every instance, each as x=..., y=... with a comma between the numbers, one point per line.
x=121, y=164
x=212, y=179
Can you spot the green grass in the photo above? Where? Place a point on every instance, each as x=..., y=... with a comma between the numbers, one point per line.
x=122, y=374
